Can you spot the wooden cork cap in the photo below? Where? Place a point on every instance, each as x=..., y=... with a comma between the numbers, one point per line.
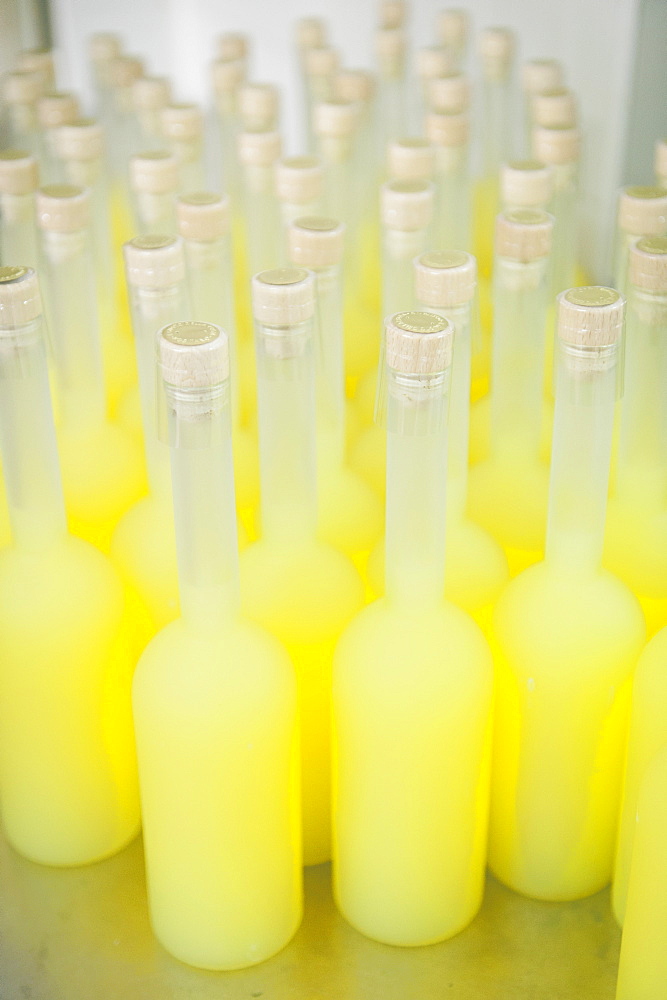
x=496, y=49
x=151, y=93
x=299, y=179
x=315, y=241
x=406, y=205
x=445, y=278
x=124, y=70
x=19, y=173
x=63, y=208
x=104, y=46
x=432, y=61
x=283, y=297
x=411, y=160
x=154, y=262
x=182, y=121
x=555, y=108
x=648, y=264
x=311, y=33
x=260, y=147
x=56, y=109
x=448, y=129
x=354, y=85
x=557, y=145
x=526, y=183
x=642, y=210
x=227, y=75
x=591, y=316
x=450, y=93
x=392, y=13
x=259, y=102
x=203, y=216
x=80, y=141
x=541, y=74
x=418, y=343
x=523, y=234
x=23, y=87
x=154, y=172
x=193, y=355
x=453, y=26
x=336, y=118
x=232, y=45
x=321, y=60
x=20, y=301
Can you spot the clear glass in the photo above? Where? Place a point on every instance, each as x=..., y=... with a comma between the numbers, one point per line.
x=18, y=230
x=399, y=250
x=565, y=236
x=453, y=204
x=262, y=226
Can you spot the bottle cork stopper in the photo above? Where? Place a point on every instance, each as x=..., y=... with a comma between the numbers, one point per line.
x=648, y=264
x=354, y=85
x=642, y=211
x=227, y=75
x=321, y=60
x=56, y=109
x=418, y=343
x=591, y=316
x=496, y=49
x=104, y=46
x=20, y=301
x=233, y=46
x=202, y=216
x=445, y=278
x=299, y=179
x=154, y=172
x=406, y=205
x=450, y=93
x=193, y=355
x=259, y=102
x=660, y=159
x=283, y=297
x=311, y=33
x=182, y=121
x=523, y=234
x=556, y=145
x=151, y=93
x=38, y=61
x=81, y=140
x=19, y=173
x=335, y=118
x=556, y=107
x=63, y=208
x=260, y=147
x=124, y=70
x=453, y=26
x=390, y=45
x=315, y=241
x=447, y=128
x=392, y=13
x=23, y=87
x=526, y=184
x=541, y=74
x=411, y=160
x=154, y=262
x=432, y=61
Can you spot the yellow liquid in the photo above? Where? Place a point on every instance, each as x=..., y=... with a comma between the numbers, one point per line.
x=350, y=512
x=103, y=475
x=565, y=647
x=215, y=718
x=642, y=973
x=648, y=732
x=412, y=703
x=305, y=594
x=480, y=430
x=368, y=457
x=67, y=760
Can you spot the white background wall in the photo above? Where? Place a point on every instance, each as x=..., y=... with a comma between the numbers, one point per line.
x=594, y=39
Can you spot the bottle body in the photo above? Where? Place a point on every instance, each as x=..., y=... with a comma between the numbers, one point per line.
x=452, y=218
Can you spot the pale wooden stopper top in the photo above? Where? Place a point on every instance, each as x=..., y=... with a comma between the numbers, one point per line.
x=104, y=46
x=496, y=49
x=80, y=141
x=321, y=60
x=448, y=129
x=38, y=61
x=432, y=61
x=541, y=74
x=390, y=46
x=642, y=210
x=660, y=160
x=56, y=109
x=283, y=297
x=227, y=74
x=554, y=108
x=591, y=316
x=19, y=173
x=411, y=160
x=233, y=45
x=418, y=343
x=311, y=33
x=259, y=147
x=151, y=93
x=406, y=205
x=299, y=179
x=154, y=262
x=526, y=183
x=336, y=118
x=445, y=278
x=315, y=241
x=63, y=208
x=453, y=26
x=648, y=264
x=20, y=301
x=354, y=85
x=154, y=172
x=392, y=13
x=203, y=216
x=193, y=355
x=124, y=70
x=182, y=121
x=524, y=234
x=259, y=101
x=557, y=145
x=23, y=87
x=450, y=93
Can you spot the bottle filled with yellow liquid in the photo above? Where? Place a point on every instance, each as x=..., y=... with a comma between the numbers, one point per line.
x=537, y=76
x=411, y=159
x=566, y=637
x=449, y=134
x=526, y=184
x=390, y=51
x=227, y=76
x=102, y=464
x=150, y=94
x=453, y=29
x=642, y=211
x=432, y=62
x=412, y=689
x=636, y=535
x=646, y=735
x=642, y=971
x=259, y=106
x=559, y=148
x=300, y=191
x=313, y=85
x=19, y=178
x=509, y=487
x=183, y=131
x=103, y=48
x=21, y=91
x=67, y=762
x=215, y=705
x=54, y=110
x=349, y=511
x=258, y=152
x=299, y=588
x=154, y=184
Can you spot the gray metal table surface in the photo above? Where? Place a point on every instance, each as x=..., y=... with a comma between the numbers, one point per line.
x=84, y=934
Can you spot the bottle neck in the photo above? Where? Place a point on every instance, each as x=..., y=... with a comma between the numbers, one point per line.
x=586, y=390
x=204, y=504
x=154, y=213
x=18, y=228
x=28, y=441
x=416, y=486
x=330, y=368
x=641, y=470
x=260, y=218
x=497, y=105
x=521, y=296
x=71, y=299
x=398, y=252
x=286, y=410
